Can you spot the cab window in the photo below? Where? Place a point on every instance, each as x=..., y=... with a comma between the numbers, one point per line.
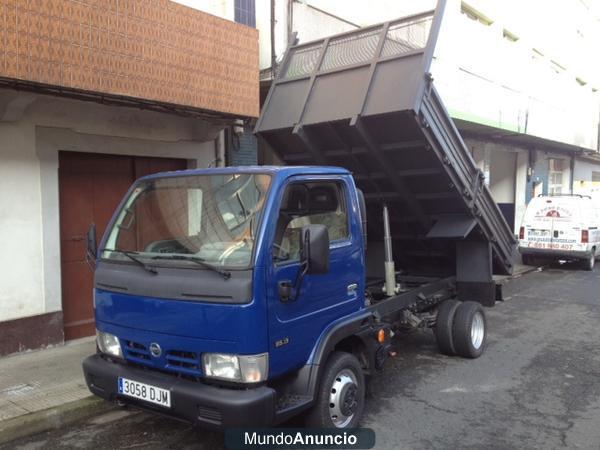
x=308, y=204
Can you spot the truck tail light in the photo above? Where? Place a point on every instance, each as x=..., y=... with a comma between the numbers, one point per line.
x=585, y=236
x=522, y=233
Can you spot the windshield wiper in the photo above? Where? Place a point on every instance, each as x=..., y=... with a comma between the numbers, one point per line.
x=200, y=261
x=130, y=254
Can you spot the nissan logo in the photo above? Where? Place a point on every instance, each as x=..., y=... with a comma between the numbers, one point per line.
x=155, y=349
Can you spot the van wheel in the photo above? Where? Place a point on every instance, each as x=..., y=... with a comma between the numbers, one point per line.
x=469, y=332
x=444, y=325
x=588, y=264
x=341, y=397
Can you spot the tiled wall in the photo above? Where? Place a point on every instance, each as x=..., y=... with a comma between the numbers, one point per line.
x=149, y=49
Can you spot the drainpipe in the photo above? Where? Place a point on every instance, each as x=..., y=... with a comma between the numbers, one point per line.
x=598, y=141
x=273, y=55
x=572, y=168
x=220, y=150
x=290, y=22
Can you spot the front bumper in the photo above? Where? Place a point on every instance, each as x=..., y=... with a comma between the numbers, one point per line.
x=555, y=254
x=210, y=406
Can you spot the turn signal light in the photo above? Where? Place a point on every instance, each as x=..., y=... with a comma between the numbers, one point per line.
x=381, y=336
x=585, y=236
x=522, y=233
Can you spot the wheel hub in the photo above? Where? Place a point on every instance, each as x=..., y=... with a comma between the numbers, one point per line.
x=343, y=398
x=349, y=402
x=477, y=330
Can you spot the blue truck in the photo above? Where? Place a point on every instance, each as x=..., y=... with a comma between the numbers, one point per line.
x=244, y=296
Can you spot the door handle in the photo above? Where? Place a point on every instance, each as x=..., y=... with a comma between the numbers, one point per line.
x=284, y=287
x=351, y=289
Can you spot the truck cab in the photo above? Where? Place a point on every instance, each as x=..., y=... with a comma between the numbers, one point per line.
x=201, y=284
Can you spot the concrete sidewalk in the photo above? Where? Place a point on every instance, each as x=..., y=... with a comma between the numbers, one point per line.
x=518, y=271
x=44, y=389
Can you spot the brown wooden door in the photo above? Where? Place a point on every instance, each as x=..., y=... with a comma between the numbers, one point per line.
x=90, y=188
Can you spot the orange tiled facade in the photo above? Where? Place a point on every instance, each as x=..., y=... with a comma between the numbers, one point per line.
x=147, y=49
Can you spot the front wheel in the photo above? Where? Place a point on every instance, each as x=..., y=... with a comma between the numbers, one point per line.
x=341, y=395
x=469, y=331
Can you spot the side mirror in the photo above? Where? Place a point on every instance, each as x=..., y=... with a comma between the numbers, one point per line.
x=92, y=245
x=314, y=260
x=315, y=249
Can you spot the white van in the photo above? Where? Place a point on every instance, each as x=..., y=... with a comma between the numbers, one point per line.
x=561, y=227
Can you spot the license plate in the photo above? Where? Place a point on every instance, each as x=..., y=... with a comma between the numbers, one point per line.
x=146, y=392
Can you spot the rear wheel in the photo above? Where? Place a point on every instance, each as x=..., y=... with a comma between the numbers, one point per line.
x=341, y=396
x=443, y=327
x=589, y=263
x=469, y=332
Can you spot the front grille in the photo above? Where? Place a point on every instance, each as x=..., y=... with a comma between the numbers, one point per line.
x=184, y=362
x=137, y=352
x=177, y=361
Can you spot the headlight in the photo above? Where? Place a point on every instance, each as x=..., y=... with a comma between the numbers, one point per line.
x=242, y=368
x=109, y=344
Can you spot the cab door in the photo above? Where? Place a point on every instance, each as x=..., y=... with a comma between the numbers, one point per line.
x=295, y=323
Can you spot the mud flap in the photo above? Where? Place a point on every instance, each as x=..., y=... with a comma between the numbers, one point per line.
x=474, y=280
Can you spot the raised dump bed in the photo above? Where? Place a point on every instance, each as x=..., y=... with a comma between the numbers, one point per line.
x=364, y=100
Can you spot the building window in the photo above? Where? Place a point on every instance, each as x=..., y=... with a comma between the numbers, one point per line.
x=536, y=54
x=474, y=14
x=245, y=12
x=509, y=36
x=557, y=67
x=555, y=176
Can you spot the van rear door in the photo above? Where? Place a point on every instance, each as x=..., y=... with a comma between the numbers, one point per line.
x=538, y=230
x=567, y=219
x=555, y=223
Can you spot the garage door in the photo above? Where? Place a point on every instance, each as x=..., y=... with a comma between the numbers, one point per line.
x=90, y=188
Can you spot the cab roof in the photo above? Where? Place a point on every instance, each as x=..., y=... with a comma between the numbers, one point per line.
x=282, y=170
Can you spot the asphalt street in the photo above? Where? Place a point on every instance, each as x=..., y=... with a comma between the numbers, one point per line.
x=536, y=386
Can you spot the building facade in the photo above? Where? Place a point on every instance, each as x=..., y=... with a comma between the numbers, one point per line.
x=519, y=82
x=240, y=145
x=92, y=96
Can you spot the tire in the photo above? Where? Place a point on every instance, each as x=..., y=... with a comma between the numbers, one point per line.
x=444, y=325
x=469, y=332
x=589, y=263
x=341, y=395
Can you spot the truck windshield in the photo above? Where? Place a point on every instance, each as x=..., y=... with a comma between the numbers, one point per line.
x=212, y=218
